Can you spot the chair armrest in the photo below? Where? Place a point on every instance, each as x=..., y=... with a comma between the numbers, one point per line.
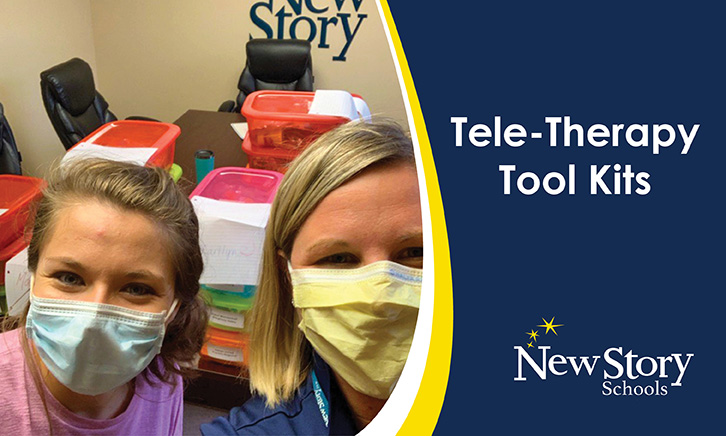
x=140, y=118
x=227, y=106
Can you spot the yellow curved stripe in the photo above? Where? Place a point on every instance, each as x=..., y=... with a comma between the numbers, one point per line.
x=430, y=397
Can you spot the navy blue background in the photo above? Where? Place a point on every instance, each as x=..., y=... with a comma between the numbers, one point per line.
x=639, y=272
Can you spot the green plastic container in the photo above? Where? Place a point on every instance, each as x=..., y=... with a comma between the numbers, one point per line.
x=3, y=301
x=229, y=307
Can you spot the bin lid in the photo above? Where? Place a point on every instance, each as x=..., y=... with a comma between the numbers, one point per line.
x=242, y=185
x=228, y=300
x=16, y=191
x=286, y=106
x=226, y=338
x=134, y=133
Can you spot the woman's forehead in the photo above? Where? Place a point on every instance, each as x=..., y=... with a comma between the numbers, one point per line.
x=381, y=202
x=103, y=235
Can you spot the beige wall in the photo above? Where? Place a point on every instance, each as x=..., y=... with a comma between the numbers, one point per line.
x=35, y=35
x=160, y=58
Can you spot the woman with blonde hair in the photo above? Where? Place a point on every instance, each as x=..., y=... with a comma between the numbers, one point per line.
x=340, y=286
x=114, y=320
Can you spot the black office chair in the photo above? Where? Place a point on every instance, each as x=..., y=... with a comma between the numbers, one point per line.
x=9, y=155
x=273, y=64
x=73, y=105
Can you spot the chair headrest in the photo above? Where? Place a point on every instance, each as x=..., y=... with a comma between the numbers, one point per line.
x=278, y=60
x=72, y=85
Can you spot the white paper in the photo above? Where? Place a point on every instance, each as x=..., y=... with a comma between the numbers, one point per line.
x=226, y=318
x=335, y=103
x=84, y=150
x=363, y=112
x=231, y=236
x=17, y=282
x=230, y=354
x=2, y=211
x=252, y=214
x=240, y=129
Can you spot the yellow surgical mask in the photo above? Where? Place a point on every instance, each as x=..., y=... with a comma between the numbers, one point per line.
x=360, y=321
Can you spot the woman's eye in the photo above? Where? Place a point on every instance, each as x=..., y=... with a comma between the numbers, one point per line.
x=412, y=252
x=69, y=279
x=411, y=256
x=338, y=259
x=138, y=290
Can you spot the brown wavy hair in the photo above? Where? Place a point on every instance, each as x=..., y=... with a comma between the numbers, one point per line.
x=152, y=193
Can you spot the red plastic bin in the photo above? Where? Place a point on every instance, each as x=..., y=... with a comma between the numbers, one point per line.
x=227, y=347
x=273, y=159
x=16, y=195
x=280, y=119
x=243, y=185
x=135, y=134
x=7, y=253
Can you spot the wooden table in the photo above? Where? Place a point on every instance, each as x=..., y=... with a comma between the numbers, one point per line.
x=208, y=130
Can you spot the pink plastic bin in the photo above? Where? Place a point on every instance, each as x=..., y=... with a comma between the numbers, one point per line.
x=243, y=185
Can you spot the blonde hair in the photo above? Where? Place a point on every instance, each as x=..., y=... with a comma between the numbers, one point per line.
x=152, y=193
x=279, y=353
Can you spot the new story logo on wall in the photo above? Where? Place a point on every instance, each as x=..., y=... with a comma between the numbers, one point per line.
x=624, y=372
x=321, y=22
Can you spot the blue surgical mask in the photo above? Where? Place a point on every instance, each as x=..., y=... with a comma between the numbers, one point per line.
x=92, y=348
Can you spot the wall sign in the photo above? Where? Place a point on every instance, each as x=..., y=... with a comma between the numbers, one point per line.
x=329, y=24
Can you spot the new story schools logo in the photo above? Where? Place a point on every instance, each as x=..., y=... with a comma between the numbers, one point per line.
x=314, y=20
x=624, y=373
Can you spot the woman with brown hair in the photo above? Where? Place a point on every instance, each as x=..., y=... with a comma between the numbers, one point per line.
x=114, y=319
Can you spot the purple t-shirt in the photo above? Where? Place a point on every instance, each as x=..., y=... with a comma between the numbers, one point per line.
x=155, y=409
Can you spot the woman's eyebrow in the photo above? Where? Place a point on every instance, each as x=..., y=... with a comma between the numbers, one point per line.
x=326, y=244
x=65, y=261
x=408, y=236
x=74, y=264
x=143, y=274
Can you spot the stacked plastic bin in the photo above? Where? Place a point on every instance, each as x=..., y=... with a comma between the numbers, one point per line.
x=228, y=330
x=280, y=127
x=17, y=193
x=133, y=134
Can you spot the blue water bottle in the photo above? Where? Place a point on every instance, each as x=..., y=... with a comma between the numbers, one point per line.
x=204, y=162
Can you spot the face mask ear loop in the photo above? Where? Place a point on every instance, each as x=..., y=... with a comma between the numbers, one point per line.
x=30, y=291
x=171, y=310
x=290, y=271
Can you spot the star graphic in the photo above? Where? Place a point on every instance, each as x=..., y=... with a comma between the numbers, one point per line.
x=532, y=334
x=529, y=345
x=549, y=325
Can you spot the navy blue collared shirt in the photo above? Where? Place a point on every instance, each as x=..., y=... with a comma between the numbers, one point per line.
x=299, y=416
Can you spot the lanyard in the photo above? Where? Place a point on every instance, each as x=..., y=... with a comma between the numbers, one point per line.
x=320, y=399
